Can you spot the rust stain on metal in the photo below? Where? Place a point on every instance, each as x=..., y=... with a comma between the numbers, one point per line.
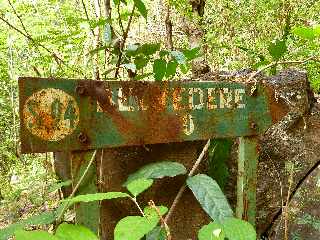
x=51, y=114
x=278, y=108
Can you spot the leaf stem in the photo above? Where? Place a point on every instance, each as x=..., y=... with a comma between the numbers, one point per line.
x=65, y=207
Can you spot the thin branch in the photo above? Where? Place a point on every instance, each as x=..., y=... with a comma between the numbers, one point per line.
x=168, y=24
x=65, y=207
x=138, y=206
x=19, y=17
x=183, y=187
x=163, y=222
x=87, y=15
x=120, y=20
x=123, y=42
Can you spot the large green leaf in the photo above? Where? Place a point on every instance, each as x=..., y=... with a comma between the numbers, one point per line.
x=44, y=218
x=138, y=186
x=171, y=68
x=212, y=231
x=192, y=53
x=277, y=49
x=34, y=235
x=74, y=232
x=133, y=228
x=157, y=170
x=141, y=8
x=96, y=197
x=304, y=32
x=159, y=69
x=210, y=196
x=149, y=48
x=237, y=229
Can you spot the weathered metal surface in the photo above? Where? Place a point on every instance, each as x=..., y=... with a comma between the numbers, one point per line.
x=247, y=179
x=61, y=114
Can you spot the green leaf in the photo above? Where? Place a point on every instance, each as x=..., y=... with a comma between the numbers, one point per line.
x=74, y=232
x=138, y=186
x=149, y=48
x=158, y=233
x=59, y=185
x=96, y=197
x=184, y=68
x=44, y=218
x=179, y=57
x=34, y=235
x=210, y=196
x=157, y=170
x=133, y=228
x=191, y=54
x=304, y=32
x=237, y=229
x=212, y=231
x=141, y=8
x=277, y=49
x=159, y=69
x=141, y=62
x=163, y=53
x=171, y=68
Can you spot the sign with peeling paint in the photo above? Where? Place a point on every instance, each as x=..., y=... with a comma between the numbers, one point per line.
x=64, y=114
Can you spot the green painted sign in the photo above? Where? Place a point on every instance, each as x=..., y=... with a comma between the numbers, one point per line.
x=66, y=114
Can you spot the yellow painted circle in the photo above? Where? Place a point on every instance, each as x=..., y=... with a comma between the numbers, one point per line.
x=51, y=114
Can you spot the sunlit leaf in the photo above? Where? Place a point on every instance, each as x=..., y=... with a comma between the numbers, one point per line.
x=237, y=229
x=96, y=197
x=159, y=69
x=212, y=231
x=34, y=235
x=74, y=232
x=138, y=186
x=304, y=32
x=141, y=8
x=171, y=68
x=157, y=170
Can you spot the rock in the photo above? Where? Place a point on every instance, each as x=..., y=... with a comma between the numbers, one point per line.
x=303, y=217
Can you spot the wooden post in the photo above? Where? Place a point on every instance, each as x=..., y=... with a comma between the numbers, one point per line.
x=87, y=214
x=247, y=179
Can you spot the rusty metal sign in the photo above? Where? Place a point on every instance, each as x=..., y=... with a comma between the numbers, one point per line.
x=64, y=114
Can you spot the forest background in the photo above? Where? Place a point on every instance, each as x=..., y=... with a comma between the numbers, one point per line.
x=84, y=39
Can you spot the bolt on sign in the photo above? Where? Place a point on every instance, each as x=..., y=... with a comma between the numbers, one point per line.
x=64, y=114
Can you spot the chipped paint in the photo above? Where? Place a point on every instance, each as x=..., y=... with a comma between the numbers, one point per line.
x=51, y=114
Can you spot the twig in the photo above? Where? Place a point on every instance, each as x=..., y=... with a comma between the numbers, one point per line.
x=87, y=15
x=168, y=24
x=19, y=17
x=137, y=204
x=75, y=189
x=286, y=207
x=183, y=187
x=163, y=222
x=123, y=42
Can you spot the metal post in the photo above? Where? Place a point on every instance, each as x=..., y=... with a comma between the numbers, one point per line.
x=247, y=179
